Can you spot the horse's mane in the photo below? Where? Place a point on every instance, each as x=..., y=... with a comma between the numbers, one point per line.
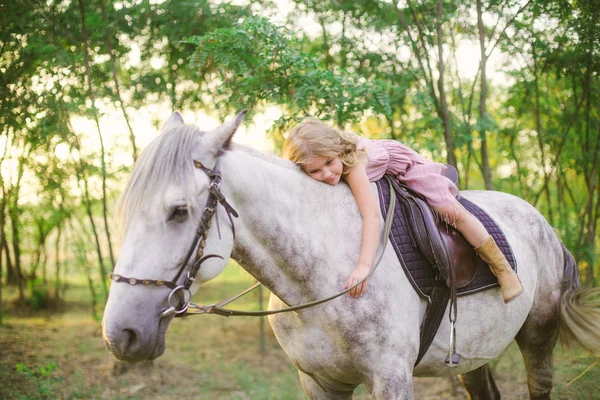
x=166, y=160
x=268, y=157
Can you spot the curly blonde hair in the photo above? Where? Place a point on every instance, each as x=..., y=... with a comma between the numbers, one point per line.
x=312, y=138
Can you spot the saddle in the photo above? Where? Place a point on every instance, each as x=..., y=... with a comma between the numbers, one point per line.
x=441, y=244
x=438, y=261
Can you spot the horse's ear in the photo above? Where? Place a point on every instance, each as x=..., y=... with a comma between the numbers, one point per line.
x=220, y=137
x=173, y=121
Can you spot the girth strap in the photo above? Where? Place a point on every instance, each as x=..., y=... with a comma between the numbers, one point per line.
x=433, y=317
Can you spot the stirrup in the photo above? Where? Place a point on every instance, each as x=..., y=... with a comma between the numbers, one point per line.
x=453, y=358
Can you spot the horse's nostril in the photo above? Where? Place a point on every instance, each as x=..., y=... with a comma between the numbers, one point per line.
x=130, y=339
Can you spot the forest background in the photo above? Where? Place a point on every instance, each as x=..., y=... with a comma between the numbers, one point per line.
x=507, y=91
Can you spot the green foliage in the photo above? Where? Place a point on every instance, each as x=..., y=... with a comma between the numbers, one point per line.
x=42, y=377
x=551, y=109
x=39, y=294
x=158, y=28
x=354, y=63
x=259, y=62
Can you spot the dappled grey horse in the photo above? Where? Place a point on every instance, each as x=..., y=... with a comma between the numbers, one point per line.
x=301, y=239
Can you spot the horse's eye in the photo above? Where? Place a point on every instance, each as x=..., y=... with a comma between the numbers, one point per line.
x=179, y=214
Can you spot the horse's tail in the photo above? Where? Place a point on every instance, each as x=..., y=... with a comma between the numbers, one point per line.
x=579, y=309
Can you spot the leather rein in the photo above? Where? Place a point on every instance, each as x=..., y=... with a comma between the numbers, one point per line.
x=216, y=197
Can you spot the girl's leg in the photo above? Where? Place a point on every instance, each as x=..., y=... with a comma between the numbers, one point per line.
x=466, y=223
x=485, y=246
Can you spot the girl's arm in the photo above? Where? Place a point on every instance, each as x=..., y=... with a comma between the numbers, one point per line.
x=359, y=183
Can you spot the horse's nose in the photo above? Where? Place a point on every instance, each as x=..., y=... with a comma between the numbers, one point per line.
x=132, y=329
x=123, y=342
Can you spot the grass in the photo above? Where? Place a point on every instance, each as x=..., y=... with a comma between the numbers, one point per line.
x=207, y=357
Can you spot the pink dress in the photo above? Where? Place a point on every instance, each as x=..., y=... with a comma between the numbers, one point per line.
x=423, y=176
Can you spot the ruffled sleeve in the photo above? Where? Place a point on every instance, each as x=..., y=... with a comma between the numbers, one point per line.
x=378, y=158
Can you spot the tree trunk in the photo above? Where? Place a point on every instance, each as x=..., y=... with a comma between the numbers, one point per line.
x=328, y=60
x=80, y=170
x=591, y=207
x=443, y=111
x=522, y=187
x=14, y=223
x=1, y=263
x=113, y=67
x=88, y=73
x=485, y=164
x=561, y=204
x=57, y=263
x=39, y=249
x=44, y=263
x=2, y=234
x=540, y=136
x=390, y=122
x=592, y=230
x=81, y=257
x=422, y=59
x=88, y=208
x=11, y=276
x=343, y=51
x=90, y=282
x=591, y=128
x=3, y=244
x=590, y=236
x=1, y=305
x=590, y=145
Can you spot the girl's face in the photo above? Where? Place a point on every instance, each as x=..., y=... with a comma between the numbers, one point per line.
x=327, y=169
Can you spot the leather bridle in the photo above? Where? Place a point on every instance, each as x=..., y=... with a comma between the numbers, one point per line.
x=215, y=197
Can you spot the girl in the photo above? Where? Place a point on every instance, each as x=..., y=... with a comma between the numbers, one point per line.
x=330, y=155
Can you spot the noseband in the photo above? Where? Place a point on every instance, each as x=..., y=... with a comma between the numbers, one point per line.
x=215, y=197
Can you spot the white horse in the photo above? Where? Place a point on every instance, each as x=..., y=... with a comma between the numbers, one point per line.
x=301, y=239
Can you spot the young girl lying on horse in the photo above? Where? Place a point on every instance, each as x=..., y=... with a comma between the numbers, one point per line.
x=330, y=155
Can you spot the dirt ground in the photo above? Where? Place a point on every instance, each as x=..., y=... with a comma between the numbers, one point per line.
x=208, y=357
x=86, y=370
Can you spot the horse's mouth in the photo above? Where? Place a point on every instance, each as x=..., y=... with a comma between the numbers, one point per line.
x=124, y=349
x=159, y=343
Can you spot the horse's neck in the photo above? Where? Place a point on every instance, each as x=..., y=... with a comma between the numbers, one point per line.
x=297, y=236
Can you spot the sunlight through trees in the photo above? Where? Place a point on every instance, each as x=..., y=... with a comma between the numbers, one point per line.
x=527, y=123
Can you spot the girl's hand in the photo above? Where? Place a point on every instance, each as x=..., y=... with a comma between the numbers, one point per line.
x=368, y=207
x=359, y=273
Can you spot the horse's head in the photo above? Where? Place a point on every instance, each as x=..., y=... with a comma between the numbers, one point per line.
x=167, y=208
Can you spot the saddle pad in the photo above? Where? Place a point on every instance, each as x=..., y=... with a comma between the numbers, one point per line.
x=424, y=276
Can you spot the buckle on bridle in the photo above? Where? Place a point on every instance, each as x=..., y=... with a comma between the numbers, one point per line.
x=190, y=277
x=215, y=190
x=172, y=309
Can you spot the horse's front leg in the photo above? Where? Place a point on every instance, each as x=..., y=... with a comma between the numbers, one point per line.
x=394, y=383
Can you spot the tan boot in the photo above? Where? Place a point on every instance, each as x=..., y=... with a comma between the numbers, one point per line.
x=507, y=278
